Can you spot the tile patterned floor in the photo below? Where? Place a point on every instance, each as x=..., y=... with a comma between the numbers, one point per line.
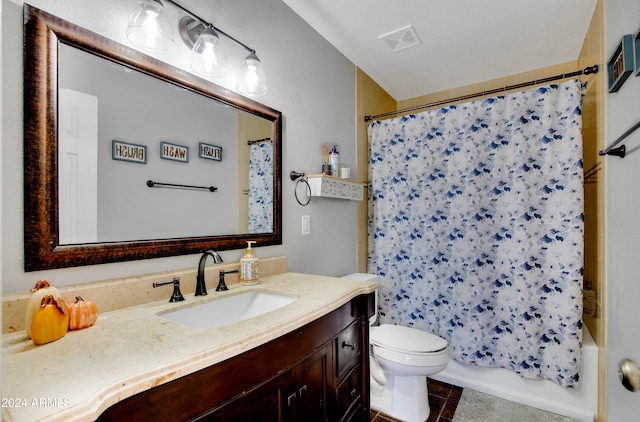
x=479, y=407
x=450, y=403
x=443, y=399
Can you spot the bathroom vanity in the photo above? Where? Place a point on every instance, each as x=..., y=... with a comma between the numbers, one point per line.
x=308, y=360
x=315, y=373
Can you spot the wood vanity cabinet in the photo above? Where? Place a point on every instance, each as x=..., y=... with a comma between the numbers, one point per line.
x=319, y=372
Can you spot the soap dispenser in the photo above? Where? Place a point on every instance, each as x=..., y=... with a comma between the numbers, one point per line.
x=249, y=267
x=334, y=161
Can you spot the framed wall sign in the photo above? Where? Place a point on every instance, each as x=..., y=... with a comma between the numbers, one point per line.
x=620, y=65
x=125, y=151
x=210, y=152
x=174, y=152
x=637, y=42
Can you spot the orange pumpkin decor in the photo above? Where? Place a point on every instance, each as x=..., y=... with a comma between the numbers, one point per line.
x=82, y=314
x=50, y=322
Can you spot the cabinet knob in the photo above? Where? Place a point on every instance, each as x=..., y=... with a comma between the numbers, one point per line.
x=354, y=393
x=350, y=346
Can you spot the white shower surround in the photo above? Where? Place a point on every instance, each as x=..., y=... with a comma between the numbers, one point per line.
x=580, y=403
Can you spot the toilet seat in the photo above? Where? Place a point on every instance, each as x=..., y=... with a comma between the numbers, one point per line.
x=400, y=348
x=406, y=340
x=426, y=361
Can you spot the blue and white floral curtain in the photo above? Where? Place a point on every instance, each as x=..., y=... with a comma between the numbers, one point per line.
x=261, y=188
x=476, y=228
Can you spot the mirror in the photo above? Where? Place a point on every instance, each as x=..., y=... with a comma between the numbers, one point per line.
x=115, y=126
x=151, y=190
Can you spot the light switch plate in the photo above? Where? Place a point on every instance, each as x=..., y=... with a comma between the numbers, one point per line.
x=306, y=225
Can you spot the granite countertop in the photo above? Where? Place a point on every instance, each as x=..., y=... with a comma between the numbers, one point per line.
x=134, y=349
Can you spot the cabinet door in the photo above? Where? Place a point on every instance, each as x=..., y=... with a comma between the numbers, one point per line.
x=311, y=384
x=350, y=392
x=348, y=349
x=263, y=403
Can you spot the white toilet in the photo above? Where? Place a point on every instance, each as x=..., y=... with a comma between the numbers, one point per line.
x=401, y=359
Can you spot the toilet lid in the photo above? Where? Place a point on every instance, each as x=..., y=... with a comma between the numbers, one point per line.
x=399, y=338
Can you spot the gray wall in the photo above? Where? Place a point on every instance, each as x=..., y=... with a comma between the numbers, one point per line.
x=310, y=82
x=622, y=229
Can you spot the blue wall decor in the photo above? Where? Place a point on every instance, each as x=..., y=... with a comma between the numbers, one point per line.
x=210, y=152
x=174, y=152
x=125, y=151
x=637, y=42
x=620, y=65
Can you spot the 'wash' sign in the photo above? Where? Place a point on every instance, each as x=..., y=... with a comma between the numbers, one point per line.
x=174, y=152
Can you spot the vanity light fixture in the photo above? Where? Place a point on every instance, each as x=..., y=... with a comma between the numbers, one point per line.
x=149, y=28
x=208, y=58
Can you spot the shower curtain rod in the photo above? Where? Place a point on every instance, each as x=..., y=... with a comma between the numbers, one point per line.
x=586, y=71
x=259, y=141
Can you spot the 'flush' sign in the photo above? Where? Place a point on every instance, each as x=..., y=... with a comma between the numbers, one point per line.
x=210, y=152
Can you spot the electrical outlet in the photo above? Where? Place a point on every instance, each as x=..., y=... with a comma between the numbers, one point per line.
x=306, y=225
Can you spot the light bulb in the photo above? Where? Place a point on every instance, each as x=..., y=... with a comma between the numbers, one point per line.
x=207, y=56
x=252, y=80
x=149, y=28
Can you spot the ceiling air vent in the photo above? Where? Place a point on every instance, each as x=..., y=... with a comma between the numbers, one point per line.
x=401, y=39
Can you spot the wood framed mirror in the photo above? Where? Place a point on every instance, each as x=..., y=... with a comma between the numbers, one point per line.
x=44, y=37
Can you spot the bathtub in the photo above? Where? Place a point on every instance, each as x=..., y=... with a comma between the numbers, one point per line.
x=580, y=403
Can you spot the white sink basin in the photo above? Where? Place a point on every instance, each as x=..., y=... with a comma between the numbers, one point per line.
x=229, y=309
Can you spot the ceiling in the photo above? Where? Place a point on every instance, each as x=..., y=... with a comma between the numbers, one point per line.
x=462, y=41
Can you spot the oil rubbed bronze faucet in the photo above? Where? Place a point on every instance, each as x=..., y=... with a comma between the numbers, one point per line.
x=222, y=286
x=177, y=295
x=201, y=287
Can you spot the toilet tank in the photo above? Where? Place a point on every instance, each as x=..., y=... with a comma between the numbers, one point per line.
x=374, y=279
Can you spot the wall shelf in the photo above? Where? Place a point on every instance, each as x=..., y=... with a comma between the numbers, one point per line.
x=333, y=187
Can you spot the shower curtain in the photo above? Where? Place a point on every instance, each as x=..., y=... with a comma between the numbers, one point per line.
x=261, y=188
x=476, y=228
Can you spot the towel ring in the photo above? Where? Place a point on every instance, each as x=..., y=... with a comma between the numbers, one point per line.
x=299, y=177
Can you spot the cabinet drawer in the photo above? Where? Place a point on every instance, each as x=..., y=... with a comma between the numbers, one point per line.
x=349, y=391
x=355, y=414
x=348, y=348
